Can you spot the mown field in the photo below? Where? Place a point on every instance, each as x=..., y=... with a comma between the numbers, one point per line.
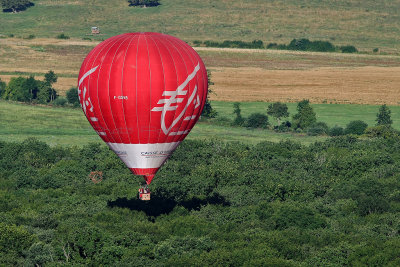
x=366, y=24
x=67, y=126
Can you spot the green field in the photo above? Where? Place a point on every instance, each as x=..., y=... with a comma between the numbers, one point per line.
x=66, y=126
x=332, y=114
x=366, y=24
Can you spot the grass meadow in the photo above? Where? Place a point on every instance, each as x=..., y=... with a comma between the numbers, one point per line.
x=66, y=126
x=366, y=24
x=332, y=114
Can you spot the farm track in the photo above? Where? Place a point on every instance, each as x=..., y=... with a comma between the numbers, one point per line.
x=238, y=74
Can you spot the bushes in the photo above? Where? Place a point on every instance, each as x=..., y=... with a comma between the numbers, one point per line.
x=356, y=127
x=239, y=120
x=317, y=46
x=257, y=120
x=307, y=45
x=319, y=128
x=381, y=131
x=284, y=127
x=256, y=44
x=296, y=44
x=336, y=131
x=60, y=102
x=348, y=49
x=305, y=121
x=73, y=97
x=144, y=3
x=62, y=36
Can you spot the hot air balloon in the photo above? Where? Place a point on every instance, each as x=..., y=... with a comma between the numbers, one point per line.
x=142, y=93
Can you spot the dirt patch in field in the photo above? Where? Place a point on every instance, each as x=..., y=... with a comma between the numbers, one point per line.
x=365, y=85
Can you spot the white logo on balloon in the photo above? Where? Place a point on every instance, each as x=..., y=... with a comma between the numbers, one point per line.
x=85, y=101
x=168, y=102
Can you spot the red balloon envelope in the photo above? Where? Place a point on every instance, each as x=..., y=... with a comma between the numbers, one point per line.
x=142, y=93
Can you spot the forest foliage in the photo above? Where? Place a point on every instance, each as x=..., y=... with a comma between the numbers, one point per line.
x=332, y=203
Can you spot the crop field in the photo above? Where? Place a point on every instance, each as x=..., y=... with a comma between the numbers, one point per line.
x=238, y=74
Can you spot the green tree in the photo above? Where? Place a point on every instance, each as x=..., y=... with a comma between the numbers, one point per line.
x=17, y=90
x=383, y=116
x=22, y=89
x=2, y=88
x=13, y=241
x=72, y=96
x=32, y=86
x=50, y=77
x=208, y=111
x=305, y=116
x=39, y=254
x=15, y=5
x=239, y=120
x=46, y=92
x=278, y=110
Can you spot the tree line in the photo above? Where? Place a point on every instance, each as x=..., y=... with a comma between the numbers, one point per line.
x=305, y=120
x=31, y=90
x=15, y=5
x=302, y=44
x=21, y=5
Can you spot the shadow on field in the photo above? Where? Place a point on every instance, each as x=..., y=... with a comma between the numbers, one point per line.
x=160, y=205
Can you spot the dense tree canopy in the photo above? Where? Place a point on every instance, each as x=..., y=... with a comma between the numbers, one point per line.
x=15, y=5
x=29, y=89
x=18, y=89
x=332, y=203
